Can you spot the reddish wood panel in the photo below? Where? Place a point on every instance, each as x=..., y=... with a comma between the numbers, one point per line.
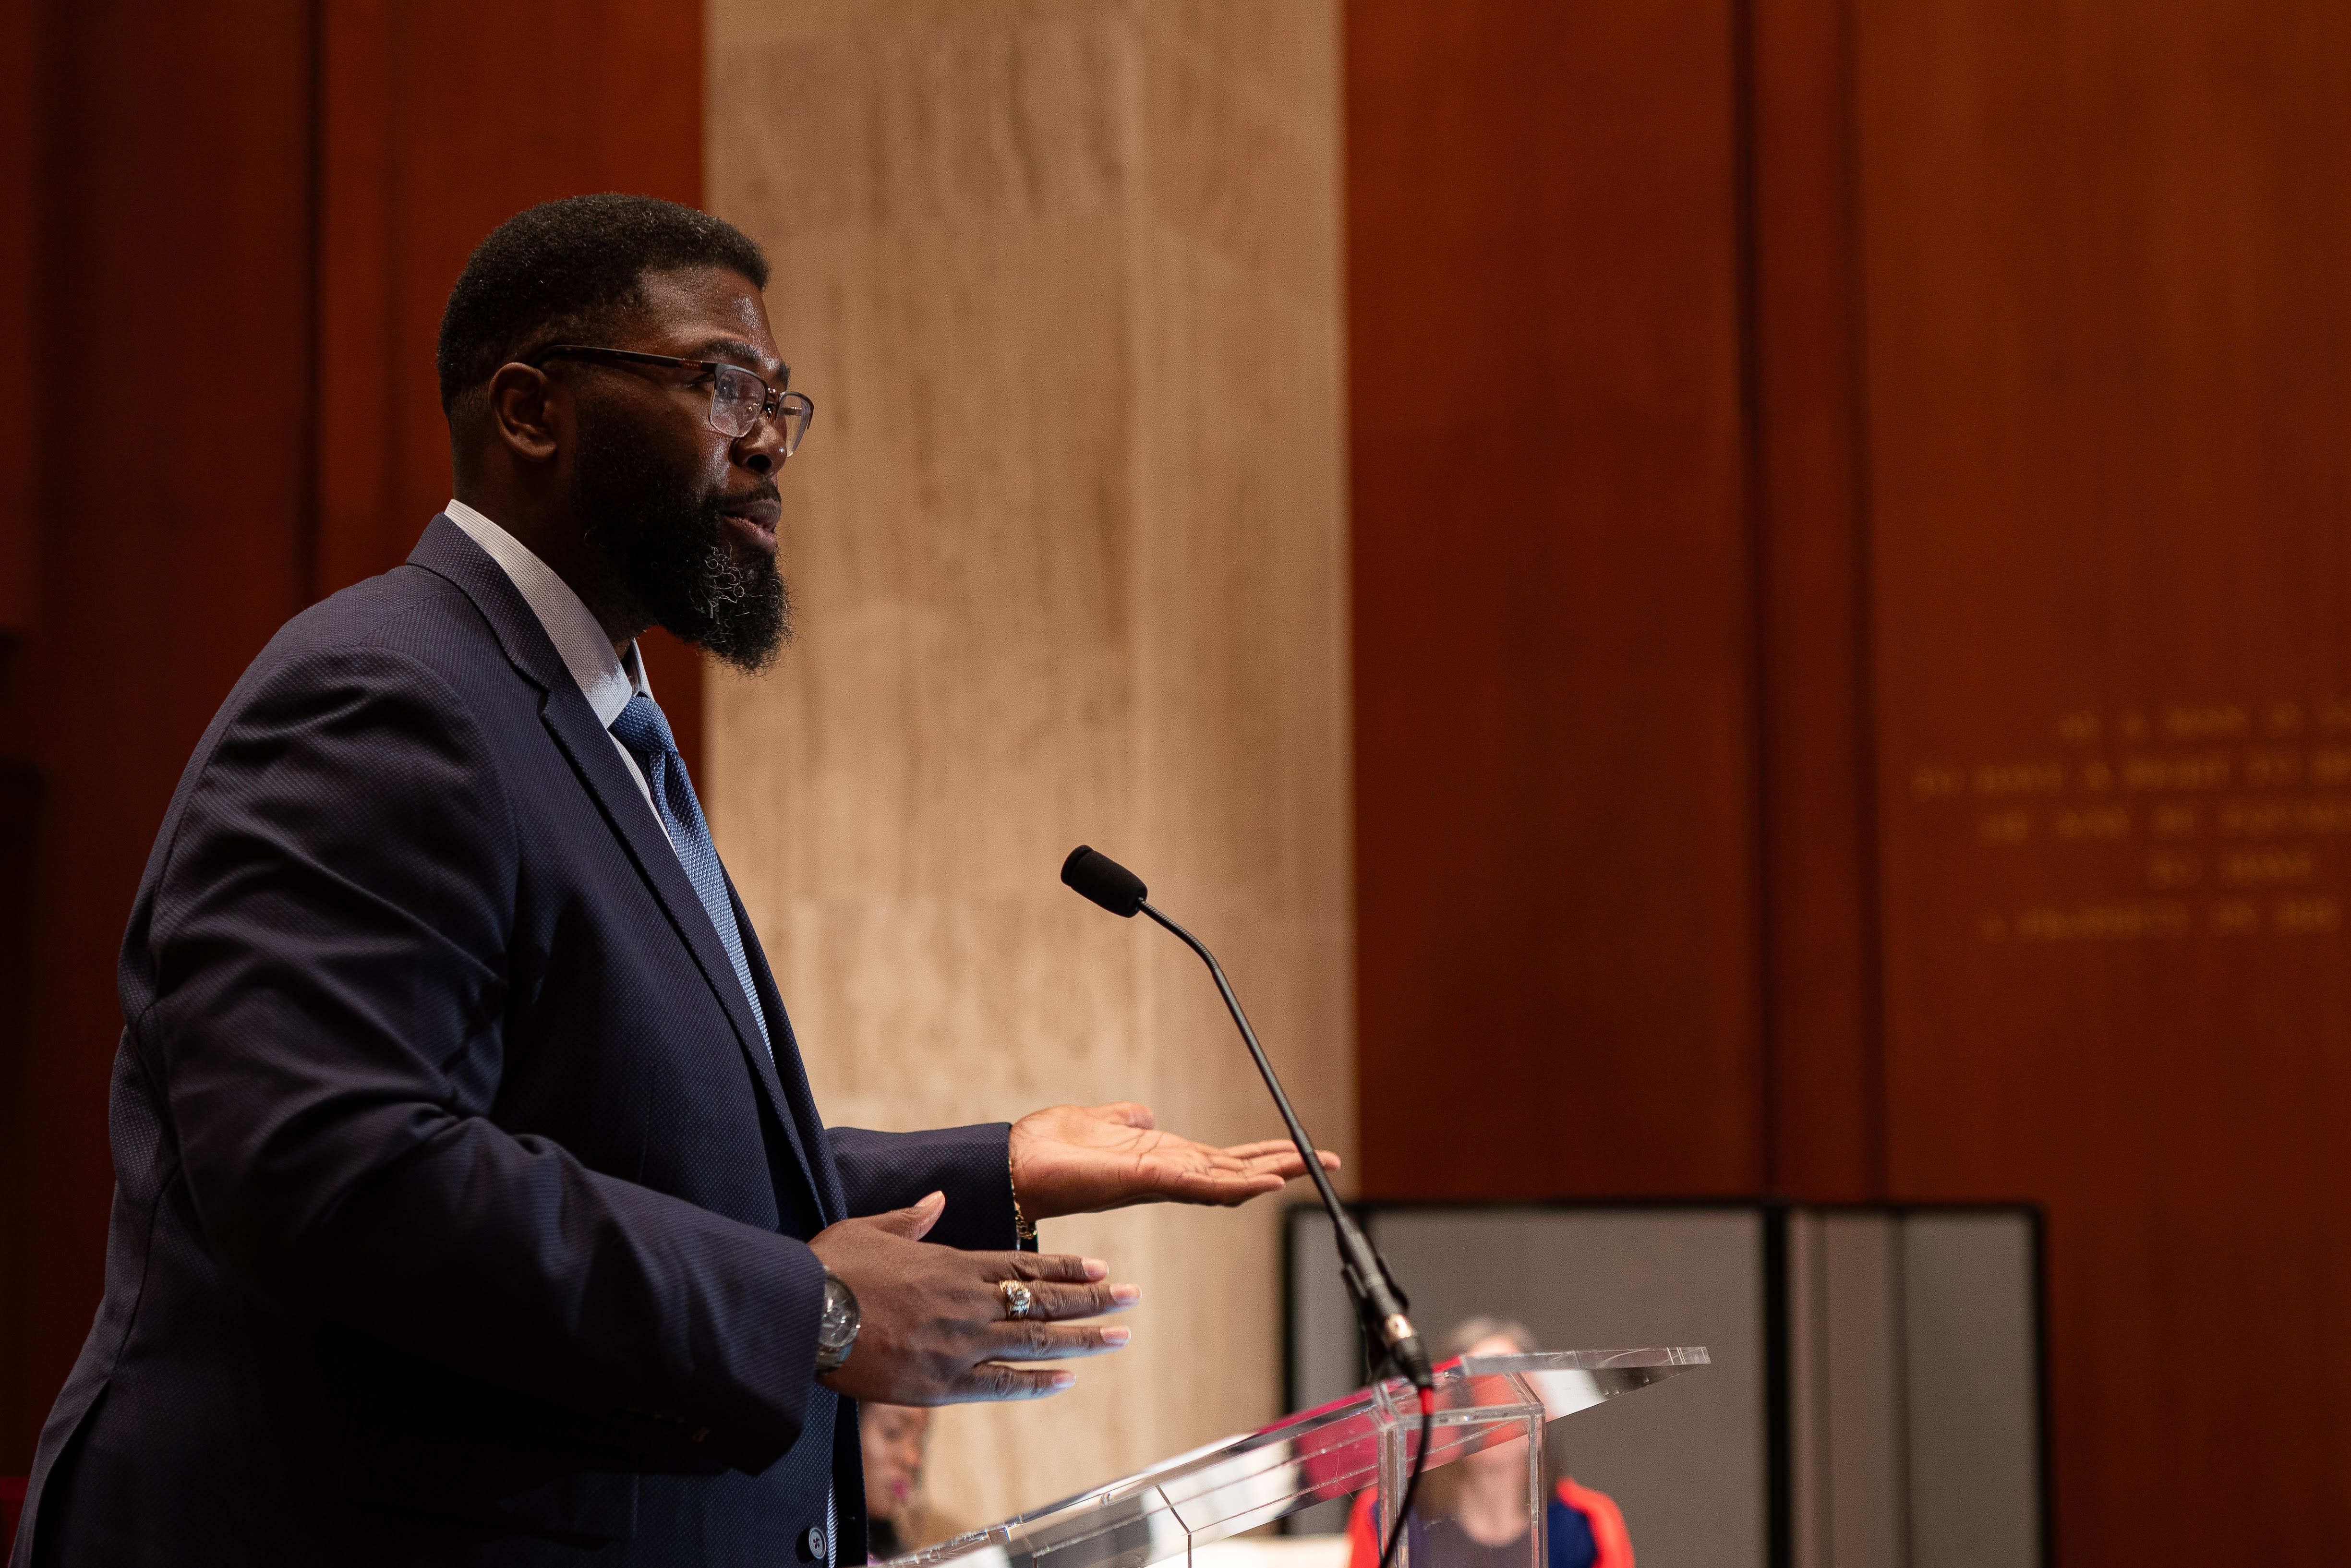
x=441, y=120
x=18, y=130
x=1554, y=678
x=16, y=402
x=171, y=516
x=1824, y=1082
x=257, y=213
x=2108, y=295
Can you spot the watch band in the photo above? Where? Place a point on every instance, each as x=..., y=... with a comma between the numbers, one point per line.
x=1024, y=1233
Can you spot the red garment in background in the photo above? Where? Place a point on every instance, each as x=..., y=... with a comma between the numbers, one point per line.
x=1607, y=1522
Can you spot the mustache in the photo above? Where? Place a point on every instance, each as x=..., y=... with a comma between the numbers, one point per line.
x=765, y=490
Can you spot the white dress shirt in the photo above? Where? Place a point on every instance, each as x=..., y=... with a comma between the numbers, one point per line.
x=604, y=679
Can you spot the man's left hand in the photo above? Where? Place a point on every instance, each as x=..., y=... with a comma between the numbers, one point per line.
x=1081, y=1159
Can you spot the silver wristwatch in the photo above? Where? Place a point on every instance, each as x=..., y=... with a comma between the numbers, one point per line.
x=836, y=1324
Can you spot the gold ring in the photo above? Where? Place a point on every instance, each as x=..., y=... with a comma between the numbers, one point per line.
x=1018, y=1299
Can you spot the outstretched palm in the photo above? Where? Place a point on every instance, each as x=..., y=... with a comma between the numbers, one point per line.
x=1081, y=1159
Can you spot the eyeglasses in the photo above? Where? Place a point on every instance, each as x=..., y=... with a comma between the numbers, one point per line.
x=737, y=398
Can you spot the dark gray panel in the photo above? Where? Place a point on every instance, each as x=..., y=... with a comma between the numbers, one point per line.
x=1913, y=1418
x=1685, y=1461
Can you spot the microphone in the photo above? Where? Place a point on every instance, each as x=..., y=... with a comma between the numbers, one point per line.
x=1104, y=880
x=1380, y=1305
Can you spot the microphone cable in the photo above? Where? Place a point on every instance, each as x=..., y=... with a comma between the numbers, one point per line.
x=1412, y=1484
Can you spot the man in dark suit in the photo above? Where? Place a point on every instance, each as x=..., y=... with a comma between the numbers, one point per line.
x=471, y=1203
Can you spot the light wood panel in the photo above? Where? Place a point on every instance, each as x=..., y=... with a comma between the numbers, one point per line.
x=1068, y=538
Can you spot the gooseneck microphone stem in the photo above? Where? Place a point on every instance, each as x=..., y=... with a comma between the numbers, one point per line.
x=1380, y=1307
x=1379, y=1304
x=1320, y=1177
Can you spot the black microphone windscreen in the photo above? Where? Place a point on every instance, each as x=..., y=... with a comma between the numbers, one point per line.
x=1104, y=880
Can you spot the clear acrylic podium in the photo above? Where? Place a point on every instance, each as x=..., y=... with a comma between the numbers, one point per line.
x=1367, y=1439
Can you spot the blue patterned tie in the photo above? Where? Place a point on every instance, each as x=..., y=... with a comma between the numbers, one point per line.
x=641, y=728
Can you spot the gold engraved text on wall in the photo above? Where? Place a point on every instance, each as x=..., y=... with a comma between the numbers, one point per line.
x=2165, y=821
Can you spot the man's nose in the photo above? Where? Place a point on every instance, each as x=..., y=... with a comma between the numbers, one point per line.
x=761, y=449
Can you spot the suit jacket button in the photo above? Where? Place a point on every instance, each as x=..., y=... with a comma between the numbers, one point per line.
x=816, y=1543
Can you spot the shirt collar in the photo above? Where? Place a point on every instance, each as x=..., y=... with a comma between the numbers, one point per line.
x=604, y=680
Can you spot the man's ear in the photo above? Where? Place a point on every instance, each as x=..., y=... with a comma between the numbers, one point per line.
x=520, y=415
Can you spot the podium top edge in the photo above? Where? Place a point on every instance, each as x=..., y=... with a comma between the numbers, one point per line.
x=1584, y=1360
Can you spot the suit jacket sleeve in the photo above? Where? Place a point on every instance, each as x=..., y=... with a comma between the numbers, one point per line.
x=973, y=1165
x=324, y=977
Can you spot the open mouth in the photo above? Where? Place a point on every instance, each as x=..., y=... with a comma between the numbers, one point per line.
x=755, y=521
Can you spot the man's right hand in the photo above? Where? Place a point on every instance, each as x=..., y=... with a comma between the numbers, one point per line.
x=932, y=1327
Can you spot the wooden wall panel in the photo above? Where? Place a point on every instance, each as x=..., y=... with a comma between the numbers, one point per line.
x=254, y=214
x=1070, y=537
x=18, y=130
x=20, y=92
x=1824, y=1084
x=1554, y=692
x=2108, y=293
x=440, y=119
x=2043, y=345
x=172, y=517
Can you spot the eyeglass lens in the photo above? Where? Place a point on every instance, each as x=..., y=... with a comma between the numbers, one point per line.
x=736, y=399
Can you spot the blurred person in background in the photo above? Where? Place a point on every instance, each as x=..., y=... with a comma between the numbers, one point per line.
x=895, y=1439
x=1472, y=1513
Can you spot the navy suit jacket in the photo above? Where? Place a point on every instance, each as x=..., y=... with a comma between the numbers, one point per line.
x=460, y=1212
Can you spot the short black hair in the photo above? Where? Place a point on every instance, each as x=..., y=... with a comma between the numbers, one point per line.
x=563, y=268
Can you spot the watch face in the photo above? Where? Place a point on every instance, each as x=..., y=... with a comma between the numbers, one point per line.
x=837, y=1325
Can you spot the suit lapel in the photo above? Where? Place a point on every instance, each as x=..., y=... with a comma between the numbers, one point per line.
x=589, y=746
x=814, y=1149
x=446, y=551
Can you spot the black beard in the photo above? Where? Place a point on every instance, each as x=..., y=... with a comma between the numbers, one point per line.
x=671, y=549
